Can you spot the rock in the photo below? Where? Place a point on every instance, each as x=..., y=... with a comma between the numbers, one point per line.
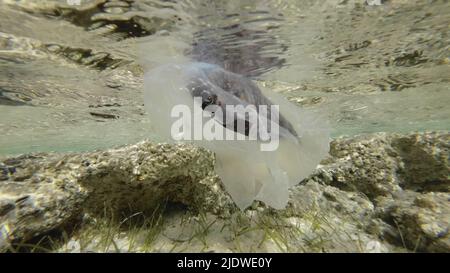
x=372, y=164
x=371, y=195
x=50, y=190
x=366, y=164
x=406, y=179
x=425, y=161
x=421, y=220
x=38, y=204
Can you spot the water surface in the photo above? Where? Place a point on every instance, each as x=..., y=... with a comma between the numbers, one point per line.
x=71, y=76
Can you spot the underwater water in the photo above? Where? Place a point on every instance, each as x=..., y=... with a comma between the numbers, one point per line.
x=71, y=76
x=95, y=75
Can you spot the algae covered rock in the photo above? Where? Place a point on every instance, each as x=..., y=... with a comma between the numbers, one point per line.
x=406, y=179
x=43, y=192
x=372, y=194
